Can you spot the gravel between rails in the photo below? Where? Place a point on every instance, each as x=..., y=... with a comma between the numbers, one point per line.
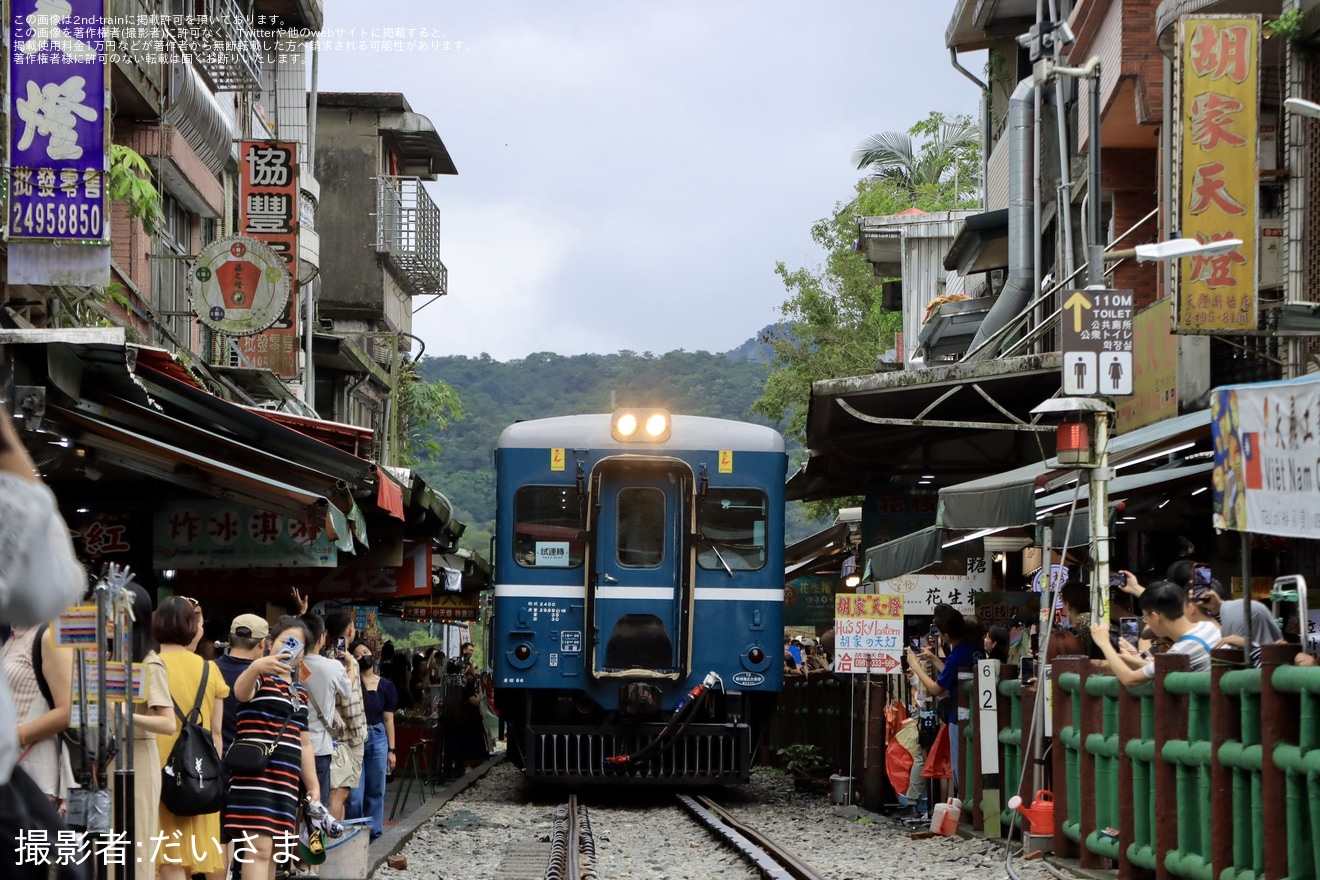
x=645, y=836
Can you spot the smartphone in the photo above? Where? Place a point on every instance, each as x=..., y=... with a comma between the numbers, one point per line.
x=1129, y=630
x=293, y=647
x=1288, y=601
x=339, y=645
x=917, y=645
x=1201, y=576
x=1117, y=579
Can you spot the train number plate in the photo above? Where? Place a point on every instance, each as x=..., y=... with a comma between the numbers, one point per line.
x=570, y=641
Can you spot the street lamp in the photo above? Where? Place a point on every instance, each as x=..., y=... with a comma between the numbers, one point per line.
x=1302, y=107
x=1174, y=249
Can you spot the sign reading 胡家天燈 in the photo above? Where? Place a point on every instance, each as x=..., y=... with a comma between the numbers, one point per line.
x=268, y=212
x=868, y=633
x=1267, y=458
x=1219, y=64
x=58, y=103
x=240, y=286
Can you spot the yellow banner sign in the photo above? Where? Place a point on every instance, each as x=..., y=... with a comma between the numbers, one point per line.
x=1155, y=374
x=1219, y=57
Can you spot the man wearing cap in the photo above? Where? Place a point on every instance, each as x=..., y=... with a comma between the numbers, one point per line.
x=247, y=642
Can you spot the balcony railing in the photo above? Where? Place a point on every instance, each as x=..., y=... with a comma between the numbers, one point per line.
x=222, y=44
x=408, y=234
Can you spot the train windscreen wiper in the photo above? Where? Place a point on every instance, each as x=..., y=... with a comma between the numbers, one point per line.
x=718, y=554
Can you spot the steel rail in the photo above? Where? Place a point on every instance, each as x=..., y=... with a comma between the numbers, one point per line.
x=772, y=860
x=572, y=846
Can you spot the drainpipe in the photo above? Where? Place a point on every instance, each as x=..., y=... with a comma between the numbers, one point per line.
x=985, y=121
x=1020, y=288
x=1064, y=199
x=309, y=368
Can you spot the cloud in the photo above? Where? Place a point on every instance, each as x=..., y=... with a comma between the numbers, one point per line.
x=630, y=173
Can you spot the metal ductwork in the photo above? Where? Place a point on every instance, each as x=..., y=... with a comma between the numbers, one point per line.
x=197, y=115
x=1020, y=287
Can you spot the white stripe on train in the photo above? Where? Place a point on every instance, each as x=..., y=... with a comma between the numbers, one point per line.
x=664, y=594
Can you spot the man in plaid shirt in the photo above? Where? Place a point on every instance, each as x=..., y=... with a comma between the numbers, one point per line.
x=346, y=760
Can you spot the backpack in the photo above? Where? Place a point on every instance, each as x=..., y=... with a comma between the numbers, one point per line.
x=191, y=781
x=71, y=738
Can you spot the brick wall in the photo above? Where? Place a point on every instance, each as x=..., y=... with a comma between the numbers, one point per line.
x=1131, y=177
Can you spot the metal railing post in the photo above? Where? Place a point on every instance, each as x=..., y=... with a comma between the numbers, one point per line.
x=1225, y=727
x=1276, y=711
x=1067, y=674
x=1165, y=776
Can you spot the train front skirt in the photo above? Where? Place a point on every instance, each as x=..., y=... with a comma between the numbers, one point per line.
x=712, y=754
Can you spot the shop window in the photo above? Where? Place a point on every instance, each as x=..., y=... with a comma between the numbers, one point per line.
x=169, y=274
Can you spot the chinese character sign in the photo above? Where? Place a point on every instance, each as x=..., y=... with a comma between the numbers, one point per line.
x=218, y=534
x=1219, y=59
x=268, y=212
x=58, y=103
x=809, y=601
x=1267, y=458
x=868, y=633
x=922, y=592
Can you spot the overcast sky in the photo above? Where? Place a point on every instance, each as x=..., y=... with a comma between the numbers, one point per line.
x=630, y=172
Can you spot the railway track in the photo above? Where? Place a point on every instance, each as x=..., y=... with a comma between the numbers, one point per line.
x=770, y=858
x=572, y=845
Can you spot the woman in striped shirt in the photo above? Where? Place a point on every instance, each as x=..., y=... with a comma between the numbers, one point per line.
x=260, y=812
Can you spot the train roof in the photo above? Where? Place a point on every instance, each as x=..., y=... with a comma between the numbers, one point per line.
x=687, y=432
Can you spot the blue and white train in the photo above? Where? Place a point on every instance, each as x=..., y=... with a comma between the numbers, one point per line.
x=638, y=609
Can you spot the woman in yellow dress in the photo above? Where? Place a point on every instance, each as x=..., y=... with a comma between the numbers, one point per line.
x=197, y=848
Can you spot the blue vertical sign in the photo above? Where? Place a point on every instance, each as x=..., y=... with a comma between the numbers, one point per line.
x=58, y=104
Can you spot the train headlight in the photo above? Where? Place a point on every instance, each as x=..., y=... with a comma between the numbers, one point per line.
x=756, y=655
x=640, y=425
x=657, y=425
x=523, y=651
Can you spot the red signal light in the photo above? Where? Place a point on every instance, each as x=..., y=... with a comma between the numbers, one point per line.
x=1073, y=443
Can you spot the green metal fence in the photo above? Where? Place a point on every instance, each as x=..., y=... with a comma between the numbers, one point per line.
x=1198, y=775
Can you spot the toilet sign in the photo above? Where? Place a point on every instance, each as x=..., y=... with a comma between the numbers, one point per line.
x=1097, y=342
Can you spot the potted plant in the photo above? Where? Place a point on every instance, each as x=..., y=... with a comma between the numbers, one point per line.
x=805, y=764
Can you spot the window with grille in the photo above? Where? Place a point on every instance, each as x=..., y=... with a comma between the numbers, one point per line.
x=169, y=276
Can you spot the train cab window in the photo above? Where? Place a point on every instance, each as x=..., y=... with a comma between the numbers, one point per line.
x=641, y=527
x=547, y=526
x=732, y=527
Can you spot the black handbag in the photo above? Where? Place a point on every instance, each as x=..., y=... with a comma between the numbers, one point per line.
x=247, y=756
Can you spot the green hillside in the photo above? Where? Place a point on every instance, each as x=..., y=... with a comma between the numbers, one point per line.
x=495, y=394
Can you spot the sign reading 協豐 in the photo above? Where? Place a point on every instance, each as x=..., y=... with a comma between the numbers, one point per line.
x=868, y=633
x=1219, y=62
x=268, y=211
x=58, y=104
x=1267, y=458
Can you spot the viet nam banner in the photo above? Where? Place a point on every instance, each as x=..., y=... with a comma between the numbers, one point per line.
x=868, y=633
x=1267, y=457
x=1219, y=64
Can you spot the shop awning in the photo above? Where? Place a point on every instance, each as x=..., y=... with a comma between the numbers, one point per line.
x=954, y=422
x=1009, y=499
x=1014, y=498
x=192, y=470
x=906, y=554
x=1055, y=507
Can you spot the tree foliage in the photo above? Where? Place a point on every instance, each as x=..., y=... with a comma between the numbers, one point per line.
x=833, y=323
x=936, y=162
x=425, y=409
x=495, y=394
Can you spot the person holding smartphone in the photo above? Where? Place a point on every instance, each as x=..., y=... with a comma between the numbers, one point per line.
x=951, y=627
x=262, y=807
